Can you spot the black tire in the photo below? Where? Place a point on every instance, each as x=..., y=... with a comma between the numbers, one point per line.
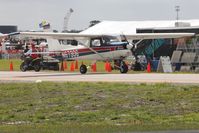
x=22, y=67
x=56, y=67
x=37, y=66
x=83, y=69
x=123, y=67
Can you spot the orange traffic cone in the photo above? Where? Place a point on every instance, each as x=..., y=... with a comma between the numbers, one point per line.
x=65, y=65
x=106, y=66
x=11, y=66
x=76, y=64
x=149, y=67
x=109, y=67
x=72, y=67
x=94, y=67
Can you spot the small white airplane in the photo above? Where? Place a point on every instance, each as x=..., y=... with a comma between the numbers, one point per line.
x=95, y=46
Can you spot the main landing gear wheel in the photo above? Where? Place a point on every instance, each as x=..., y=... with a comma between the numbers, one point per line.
x=123, y=67
x=83, y=69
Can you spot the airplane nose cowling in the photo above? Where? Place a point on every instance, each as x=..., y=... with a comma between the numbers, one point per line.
x=129, y=46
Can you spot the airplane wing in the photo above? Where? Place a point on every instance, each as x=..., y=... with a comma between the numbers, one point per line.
x=143, y=36
x=81, y=36
x=70, y=36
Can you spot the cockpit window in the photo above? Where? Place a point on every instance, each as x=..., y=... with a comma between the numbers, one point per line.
x=109, y=39
x=96, y=43
x=68, y=42
x=103, y=41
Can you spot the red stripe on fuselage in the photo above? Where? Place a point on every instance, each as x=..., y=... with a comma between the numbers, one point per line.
x=87, y=50
x=84, y=50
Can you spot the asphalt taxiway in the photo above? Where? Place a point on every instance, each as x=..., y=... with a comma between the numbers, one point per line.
x=6, y=76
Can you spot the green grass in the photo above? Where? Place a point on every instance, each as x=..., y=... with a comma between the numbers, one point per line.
x=97, y=107
x=5, y=64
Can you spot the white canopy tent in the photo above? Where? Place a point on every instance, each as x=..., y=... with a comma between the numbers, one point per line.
x=129, y=27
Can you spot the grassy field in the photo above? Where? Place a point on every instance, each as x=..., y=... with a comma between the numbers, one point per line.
x=97, y=107
x=5, y=64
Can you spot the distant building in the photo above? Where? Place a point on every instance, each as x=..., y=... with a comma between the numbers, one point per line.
x=5, y=29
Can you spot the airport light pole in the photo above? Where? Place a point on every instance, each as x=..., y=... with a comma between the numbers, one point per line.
x=177, y=8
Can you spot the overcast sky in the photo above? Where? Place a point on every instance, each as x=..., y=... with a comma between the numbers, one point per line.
x=27, y=14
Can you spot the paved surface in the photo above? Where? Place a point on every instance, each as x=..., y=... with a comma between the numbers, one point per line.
x=103, y=77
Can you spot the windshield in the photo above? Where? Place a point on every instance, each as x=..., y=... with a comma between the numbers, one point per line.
x=110, y=39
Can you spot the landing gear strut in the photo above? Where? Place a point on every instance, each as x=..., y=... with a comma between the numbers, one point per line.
x=83, y=69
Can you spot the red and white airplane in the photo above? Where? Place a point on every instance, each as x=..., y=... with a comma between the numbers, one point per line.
x=97, y=46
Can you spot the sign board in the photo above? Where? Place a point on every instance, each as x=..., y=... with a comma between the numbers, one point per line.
x=164, y=65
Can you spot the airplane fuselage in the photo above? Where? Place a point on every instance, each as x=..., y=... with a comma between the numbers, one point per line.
x=96, y=53
x=98, y=48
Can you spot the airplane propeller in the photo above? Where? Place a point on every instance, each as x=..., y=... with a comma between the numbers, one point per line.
x=129, y=45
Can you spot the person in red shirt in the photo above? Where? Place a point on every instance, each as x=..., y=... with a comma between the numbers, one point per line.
x=31, y=55
x=32, y=52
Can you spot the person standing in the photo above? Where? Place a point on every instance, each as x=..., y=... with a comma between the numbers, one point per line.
x=26, y=49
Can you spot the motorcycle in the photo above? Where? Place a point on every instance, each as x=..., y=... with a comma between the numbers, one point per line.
x=30, y=64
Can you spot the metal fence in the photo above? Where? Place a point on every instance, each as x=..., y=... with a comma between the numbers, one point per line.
x=10, y=56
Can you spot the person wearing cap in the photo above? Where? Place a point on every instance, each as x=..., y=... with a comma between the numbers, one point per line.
x=31, y=52
x=31, y=55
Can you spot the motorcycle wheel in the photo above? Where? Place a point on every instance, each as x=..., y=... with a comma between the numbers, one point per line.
x=37, y=67
x=23, y=67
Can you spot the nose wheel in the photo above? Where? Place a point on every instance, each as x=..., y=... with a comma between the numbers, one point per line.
x=83, y=69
